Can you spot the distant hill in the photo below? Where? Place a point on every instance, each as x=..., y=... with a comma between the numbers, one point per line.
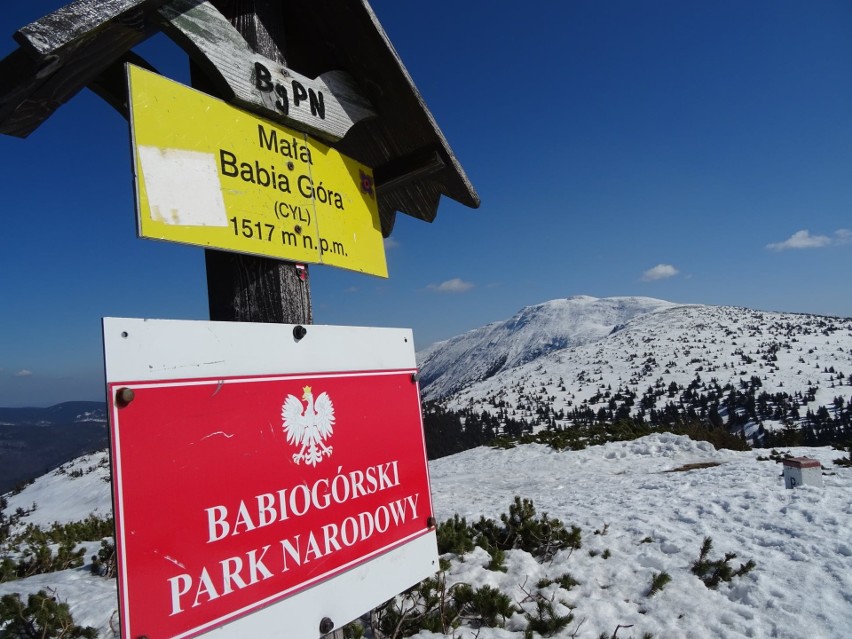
x=36, y=440
x=583, y=359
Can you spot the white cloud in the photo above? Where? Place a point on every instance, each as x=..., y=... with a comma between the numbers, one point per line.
x=455, y=285
x=803, y=240
x=843, y=236
x=23, y=373
x=391, y=243
x=659, y=272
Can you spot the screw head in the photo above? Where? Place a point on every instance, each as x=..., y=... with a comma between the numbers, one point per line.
x=299, y=332
x=298, y=229
x=291, y=166
x=124, y=396
x=326, y=625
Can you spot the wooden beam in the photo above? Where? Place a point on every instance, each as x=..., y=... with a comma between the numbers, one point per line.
x=65, y=26
x=326, y=106
x=31, y=90
x=111, y=84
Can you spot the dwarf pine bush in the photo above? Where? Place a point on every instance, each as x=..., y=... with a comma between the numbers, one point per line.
x=542, y=537
x=454, y=536
x=713, y=572
x=432, y=605
x=544, y=619
x=37, y=558
x=29, y=552
x=485, y=606
x=566, y=582
x=658, y=582
x=42, y=617
x=435, y=606
x=88, y=529
x=104, y=564
x=844, y=461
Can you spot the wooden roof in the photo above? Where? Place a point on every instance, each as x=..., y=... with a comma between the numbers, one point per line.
x=87, y=42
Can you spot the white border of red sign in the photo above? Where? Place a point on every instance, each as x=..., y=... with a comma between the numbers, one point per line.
x=160, y=350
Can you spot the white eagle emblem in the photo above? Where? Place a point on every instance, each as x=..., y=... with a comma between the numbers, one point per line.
x=308, y=426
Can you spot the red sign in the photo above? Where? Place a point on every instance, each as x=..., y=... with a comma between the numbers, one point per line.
x=232, y=494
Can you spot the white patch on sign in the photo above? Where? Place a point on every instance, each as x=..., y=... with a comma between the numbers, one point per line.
x=175, y=562
x=183, y=187
x=218, y=432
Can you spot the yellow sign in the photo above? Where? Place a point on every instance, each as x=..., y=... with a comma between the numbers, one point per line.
x=212, y=175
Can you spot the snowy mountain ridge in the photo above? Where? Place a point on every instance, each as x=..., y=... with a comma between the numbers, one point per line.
x=629, y=356
x=533, y=332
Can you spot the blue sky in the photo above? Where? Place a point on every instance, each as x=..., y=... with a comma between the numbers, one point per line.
x=691, y=151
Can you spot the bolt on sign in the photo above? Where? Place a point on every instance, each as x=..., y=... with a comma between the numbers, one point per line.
x=266, y=480
x=212, y=175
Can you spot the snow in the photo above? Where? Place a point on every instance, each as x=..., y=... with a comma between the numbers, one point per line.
x=531, y=333
x=651, y=521
x=91, y=600
x=62, y=497
x=574, y=356
x=802, y=585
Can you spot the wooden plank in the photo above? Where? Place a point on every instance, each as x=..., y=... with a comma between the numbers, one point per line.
x=63, y=27
x=326, y=106
x=18, y=79
x=31, y=93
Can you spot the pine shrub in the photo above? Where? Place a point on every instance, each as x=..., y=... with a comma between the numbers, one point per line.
x=566, y=582
x=43, y=617
x=454, y=536
x=713, y=572
x=427, y=606
x=498, y=561
x=103, y=564
x=433, y=606
x=353, y=630
x=844, y=461
x=543, y=618
x=614, y=635
x=485, y=606
x=658, y=582
x=541, y=536
x=38, y=559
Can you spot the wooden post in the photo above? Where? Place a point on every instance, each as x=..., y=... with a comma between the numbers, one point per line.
x=245, y=288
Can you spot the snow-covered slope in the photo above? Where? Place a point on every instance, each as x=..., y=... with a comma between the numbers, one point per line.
x=72, y=492
x=637, y=520
x=658, y=353
x=533, y=332
x=652, y=521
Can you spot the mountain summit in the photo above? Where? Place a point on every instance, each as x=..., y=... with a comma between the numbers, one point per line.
x=531, y=333
x=584, y=360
